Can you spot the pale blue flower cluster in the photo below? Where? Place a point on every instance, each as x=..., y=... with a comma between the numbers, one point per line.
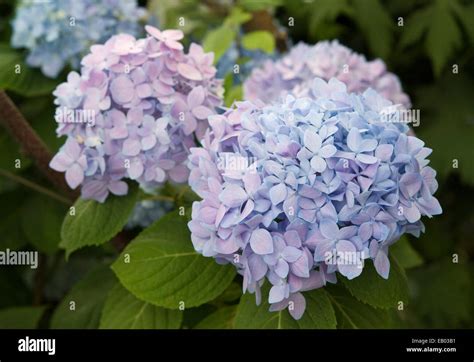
x=59, y=32
x=298, y=190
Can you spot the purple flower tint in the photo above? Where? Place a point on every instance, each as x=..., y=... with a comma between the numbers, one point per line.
x=294, y=72
x=192, y=110
x=315, y=149
x=72, y=161
x=147, y=102
x=319, y=195
x=331, y=240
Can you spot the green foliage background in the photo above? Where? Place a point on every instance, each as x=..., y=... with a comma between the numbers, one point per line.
x=158, y=281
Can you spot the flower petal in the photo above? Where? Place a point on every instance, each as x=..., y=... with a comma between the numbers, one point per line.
x=312, y=140
x=261, y=242
x=189, y=72
x=61, y=162
x=202, y=112
x=277, y=293
x=329, y=229
x=74, y=176
x=297, y=306
x=382, y=264
x=233, y=196
x=122, y=89
x=196, y=97
x=318, y=164
x=278, y=193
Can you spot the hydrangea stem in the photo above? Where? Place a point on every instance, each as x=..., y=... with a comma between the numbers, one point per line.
x=17, y=126
x=35, y=186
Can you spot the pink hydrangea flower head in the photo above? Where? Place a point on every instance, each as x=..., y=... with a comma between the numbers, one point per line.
x=294, y=73
x=133, y=112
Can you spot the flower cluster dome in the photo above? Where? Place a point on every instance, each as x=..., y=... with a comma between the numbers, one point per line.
x=60, y=32
x=293, y=73
x=300, y=189
x=134, y=112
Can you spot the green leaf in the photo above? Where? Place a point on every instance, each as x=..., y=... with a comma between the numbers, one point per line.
x=28, y=82
x=442, y=293
x=415, y=27
x=376, y=24
x=237, y=17
x=234, y=94
x=259, y=40
x=41, y=221
x=81, y=308
x=223, y=318
x=160, y=266
x=352, y=314
x=405, y=254
x=319, y=313
x=193, y=316
x=372, y=289
x=324, y=14
x=252, y=5
x=218, y=41
x=466, y=14
x=20, y=317
x=124, y=311
x=231, y=294
x=95, y=223
x=443, y=35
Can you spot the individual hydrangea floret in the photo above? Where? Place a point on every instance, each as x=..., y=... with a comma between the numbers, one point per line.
x=298, y=190
x=134, y=112
x=293, y=73
x=59, y=32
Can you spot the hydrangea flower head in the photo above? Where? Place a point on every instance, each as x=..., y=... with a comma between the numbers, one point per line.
x=134, y=112
x=60, y=32
x=294, y=72
x=305, y=188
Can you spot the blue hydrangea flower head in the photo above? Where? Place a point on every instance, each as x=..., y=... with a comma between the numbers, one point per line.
x=297, y=191
x=59, y=32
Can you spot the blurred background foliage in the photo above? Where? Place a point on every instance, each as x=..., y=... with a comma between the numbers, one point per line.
x=427, y=43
